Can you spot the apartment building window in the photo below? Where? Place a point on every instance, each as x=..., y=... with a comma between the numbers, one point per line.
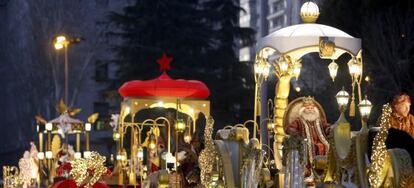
x=277, y=21
x=101, y=71
x=278, y=5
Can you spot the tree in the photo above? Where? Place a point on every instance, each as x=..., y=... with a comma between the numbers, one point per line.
x=34, y=76
x=385, y=28
x=200, y=35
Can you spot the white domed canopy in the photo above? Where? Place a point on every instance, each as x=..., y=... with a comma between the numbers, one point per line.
x=294, y=37
x=303, y=30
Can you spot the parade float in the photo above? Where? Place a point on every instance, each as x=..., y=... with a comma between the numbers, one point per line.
x=165, y=151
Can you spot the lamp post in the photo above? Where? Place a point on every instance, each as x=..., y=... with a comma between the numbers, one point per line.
x=261, y=72
x=365, y=110
x=40, y=154
x=48, y=153
x=87, y=152
x=179, y=128
x=62, y=42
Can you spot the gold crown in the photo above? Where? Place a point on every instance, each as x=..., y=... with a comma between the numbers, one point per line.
x=308, y=101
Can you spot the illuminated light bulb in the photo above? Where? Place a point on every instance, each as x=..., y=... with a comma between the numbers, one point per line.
x=333, y=69
x=342, y=97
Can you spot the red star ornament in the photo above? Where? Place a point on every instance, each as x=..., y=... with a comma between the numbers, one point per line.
x=164, y=62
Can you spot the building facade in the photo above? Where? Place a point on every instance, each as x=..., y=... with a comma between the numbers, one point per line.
x=266, y=16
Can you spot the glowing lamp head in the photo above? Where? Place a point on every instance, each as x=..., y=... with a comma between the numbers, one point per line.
x=283, y=65
x=355, y=68
x=127, y=110
x=333, y=70
x=342, y=97
x=41, y=155
x=60, y=42
x=140, y=154
x=187, y=136
x=86, y=154
x=78, y=155
x=49, y=126
x=270, y=126
x=296, y=69
x=49, y=155
x=180, y=125
x=365, y=107
x=262, y=69
x=116, y=136
x=88, y=127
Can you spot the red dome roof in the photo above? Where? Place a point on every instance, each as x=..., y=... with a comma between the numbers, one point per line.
x=164, y=86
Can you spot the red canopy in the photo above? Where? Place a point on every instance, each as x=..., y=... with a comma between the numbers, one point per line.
x=164, y=86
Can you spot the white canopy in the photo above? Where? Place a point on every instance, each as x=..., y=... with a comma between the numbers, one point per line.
x=307, y=35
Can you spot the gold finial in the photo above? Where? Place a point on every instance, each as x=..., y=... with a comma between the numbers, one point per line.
x=309, y=12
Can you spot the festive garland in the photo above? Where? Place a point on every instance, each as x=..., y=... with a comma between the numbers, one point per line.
x=207, y=157
x=380, y=153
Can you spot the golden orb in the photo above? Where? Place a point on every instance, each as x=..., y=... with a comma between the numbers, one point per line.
x=309, y=12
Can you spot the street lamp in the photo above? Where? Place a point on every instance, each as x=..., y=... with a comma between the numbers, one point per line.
x=365, y=109
x=333, y=69
x=88, y=127
x=342, y=97
x=261, y=73
x=62, y=42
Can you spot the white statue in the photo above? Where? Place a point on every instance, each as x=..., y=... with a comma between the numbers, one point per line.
x=114, y=121
x=28, y=166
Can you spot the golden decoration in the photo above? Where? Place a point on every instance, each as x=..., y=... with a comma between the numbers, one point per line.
x=11, y=177
x=73, y=112
x=378, y=169
x=336, y=162
x=56, y=144
x=61, y=108
x=40, y=120
x=92, y=118
x=405, y=177
x=309, y=12
x=326, y=48
x=83, y=168
x=208, y=155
